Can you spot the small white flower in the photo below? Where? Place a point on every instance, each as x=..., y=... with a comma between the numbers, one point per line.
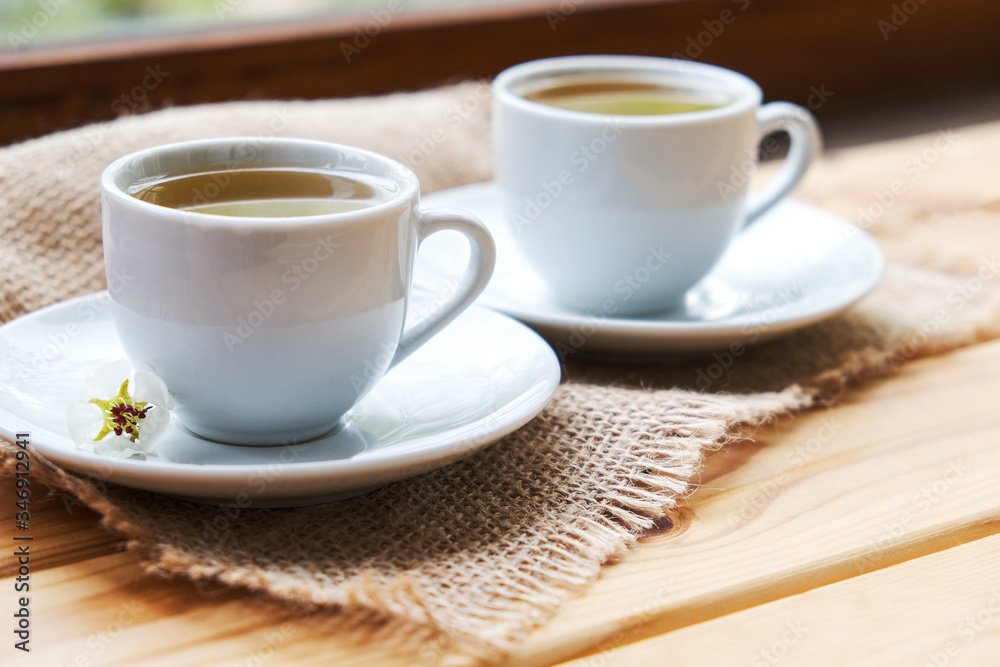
x=127, y=422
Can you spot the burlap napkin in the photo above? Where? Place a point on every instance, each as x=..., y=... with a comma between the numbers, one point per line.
x=483, y=550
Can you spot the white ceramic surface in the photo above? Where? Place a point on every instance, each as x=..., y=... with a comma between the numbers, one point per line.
x=294, y=318
x=795, y=266
x=481, y=378
x=597, y=202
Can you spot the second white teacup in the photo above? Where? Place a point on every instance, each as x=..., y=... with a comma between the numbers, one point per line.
x=624, y=178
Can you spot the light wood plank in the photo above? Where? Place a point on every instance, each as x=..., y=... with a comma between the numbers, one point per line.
x=904, y=469
x=65, y=530
x=106, y=611
x=941, y=610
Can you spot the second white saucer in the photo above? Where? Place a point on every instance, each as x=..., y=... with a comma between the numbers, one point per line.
x=795, y=266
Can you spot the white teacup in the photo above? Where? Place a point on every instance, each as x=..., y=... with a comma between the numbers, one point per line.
x=627, y=212
x=267, y=330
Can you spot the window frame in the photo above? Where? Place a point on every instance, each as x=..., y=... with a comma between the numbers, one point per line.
x=826, y=55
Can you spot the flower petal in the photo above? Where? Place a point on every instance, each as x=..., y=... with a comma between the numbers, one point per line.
x=84, y=421
x=153, y=426
x=116, y=446
x=150, y=388
x=108, y=378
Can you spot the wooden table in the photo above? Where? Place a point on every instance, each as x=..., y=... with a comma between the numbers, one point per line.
x=863, y=534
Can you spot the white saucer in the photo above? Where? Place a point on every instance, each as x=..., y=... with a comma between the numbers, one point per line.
x=795, y=266
x=481, y=378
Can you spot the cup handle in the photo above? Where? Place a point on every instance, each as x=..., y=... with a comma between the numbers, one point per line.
x=482, y=260
x=805, y=145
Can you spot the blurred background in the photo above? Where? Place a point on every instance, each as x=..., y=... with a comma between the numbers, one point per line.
x=866, y=68
x=69, y=21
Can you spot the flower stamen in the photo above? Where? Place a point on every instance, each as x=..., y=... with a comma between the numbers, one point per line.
x=122, y=414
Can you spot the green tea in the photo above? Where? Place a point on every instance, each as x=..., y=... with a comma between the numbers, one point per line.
x=262, y=193
x=288, y=207
x=622, y=98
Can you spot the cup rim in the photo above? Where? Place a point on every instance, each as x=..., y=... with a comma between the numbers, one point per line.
x=114, y=178
x=748, y=94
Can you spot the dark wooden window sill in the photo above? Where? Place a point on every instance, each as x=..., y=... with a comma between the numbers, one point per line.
x=827, y=55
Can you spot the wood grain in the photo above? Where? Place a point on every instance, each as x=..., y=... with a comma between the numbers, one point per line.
x=64, y=525
x=903, y=470
x=107, y=611
x=939, y=610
